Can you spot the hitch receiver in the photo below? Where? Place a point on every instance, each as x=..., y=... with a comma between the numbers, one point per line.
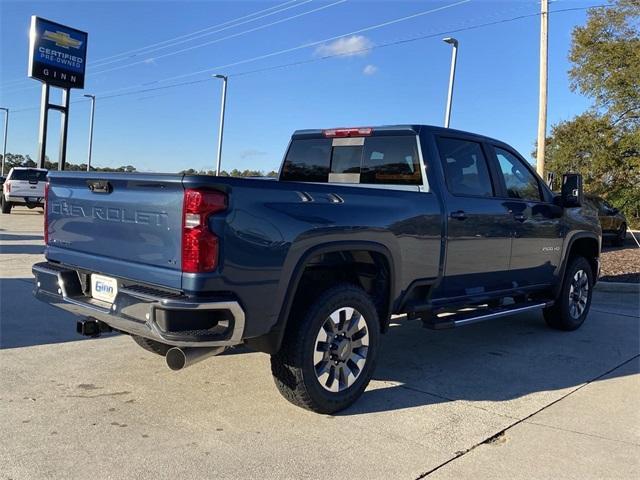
x=90, y=327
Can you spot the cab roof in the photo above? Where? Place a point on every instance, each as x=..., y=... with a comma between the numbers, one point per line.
x=387, y=130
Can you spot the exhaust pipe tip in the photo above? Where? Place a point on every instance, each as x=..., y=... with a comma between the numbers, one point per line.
x=178, y=358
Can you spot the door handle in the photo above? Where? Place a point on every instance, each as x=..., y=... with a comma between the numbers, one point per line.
x=459, y=215
x=99, y=186
x=519, y=217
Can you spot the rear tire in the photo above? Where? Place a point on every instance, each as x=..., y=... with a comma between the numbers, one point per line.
x=329, y=351
x=572, y=305
x=4, y=205
x=151, y=345
x=618, y=241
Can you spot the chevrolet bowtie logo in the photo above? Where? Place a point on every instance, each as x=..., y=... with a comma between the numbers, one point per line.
x=61, y=39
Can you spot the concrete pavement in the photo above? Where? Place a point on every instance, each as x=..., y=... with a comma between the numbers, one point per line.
x=504, y=399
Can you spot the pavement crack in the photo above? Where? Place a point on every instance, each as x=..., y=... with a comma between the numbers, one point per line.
x=112, y=394
x=504, y=430
x=553, y=427
x=616, y=313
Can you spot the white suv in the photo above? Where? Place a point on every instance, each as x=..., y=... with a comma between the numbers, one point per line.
x=23, y=186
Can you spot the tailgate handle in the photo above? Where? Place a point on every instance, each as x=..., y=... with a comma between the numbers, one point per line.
x=99, y=186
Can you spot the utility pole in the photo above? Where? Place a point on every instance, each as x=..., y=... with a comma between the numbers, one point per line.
x=544, y=80
x=93, y=111
x=221, y=129
x=6, y=130
x=452, y=77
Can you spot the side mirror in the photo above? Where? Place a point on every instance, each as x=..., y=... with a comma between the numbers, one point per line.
x=614, y=211
x=572, y=193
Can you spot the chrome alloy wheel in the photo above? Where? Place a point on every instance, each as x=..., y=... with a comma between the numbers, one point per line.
x=578, y=294
x=341, y=349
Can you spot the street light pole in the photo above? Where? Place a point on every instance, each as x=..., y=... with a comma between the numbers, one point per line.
x=452, y=76
x=6, y=129
x=221, y=129
x=93, y=111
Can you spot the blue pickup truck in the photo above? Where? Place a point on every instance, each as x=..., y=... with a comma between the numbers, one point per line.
x=444, y=226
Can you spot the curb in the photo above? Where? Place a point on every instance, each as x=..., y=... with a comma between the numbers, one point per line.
x=617, y=287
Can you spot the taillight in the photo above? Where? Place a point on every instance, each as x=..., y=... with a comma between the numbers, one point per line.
x=8, y=185
x=199, y=244
x=46, y=213
x=348, y=132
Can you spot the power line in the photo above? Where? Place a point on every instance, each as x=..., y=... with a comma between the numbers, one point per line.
x=411, y=39
x=196, y=34
x=307, y=45
x=217, y=40
x=327, y=57
x=367, y=49
x=314, y=43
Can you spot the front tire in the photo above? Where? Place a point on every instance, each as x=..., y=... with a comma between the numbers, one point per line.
x=572, y=305
x=329, y=352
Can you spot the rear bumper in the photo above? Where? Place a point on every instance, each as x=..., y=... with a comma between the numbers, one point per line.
x=38, y=201
x=162, y=316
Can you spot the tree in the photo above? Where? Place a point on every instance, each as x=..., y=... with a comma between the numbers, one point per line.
x=606, y=60
x=603, y=144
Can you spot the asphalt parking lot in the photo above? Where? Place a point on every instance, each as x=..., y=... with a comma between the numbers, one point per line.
x=504, y=399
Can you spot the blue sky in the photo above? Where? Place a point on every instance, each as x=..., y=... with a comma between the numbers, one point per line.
x=173, y=129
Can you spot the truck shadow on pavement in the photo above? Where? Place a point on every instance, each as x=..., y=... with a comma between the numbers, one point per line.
x=24, y=321
x=498, y=360
x=19, y=237
x=21, y=249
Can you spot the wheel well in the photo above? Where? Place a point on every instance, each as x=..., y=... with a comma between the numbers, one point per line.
x=587, y=248
x=367, y=269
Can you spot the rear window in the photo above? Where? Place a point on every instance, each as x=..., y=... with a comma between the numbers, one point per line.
x=307, y=161
x=392, y=160
x=30, y=175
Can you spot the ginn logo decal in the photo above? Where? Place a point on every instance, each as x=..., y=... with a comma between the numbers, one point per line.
x=110, y=214
x=104, y=288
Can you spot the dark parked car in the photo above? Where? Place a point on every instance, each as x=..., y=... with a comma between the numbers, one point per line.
x=612, y=220
x=363, y=223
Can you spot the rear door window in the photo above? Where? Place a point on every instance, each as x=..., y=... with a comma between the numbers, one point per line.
x=465, y=166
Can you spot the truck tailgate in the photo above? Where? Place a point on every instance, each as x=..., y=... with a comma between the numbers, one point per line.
x=125, y=225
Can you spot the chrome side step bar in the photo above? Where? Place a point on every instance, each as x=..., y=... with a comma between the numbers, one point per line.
x=482, y=314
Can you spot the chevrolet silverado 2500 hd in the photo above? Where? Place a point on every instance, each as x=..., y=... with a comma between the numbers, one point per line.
x=363, y=223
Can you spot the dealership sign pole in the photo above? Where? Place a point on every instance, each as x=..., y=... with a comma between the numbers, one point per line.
x=57, y=57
